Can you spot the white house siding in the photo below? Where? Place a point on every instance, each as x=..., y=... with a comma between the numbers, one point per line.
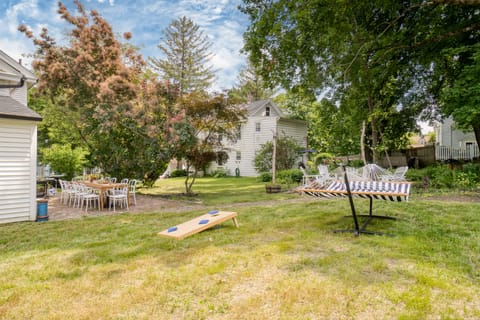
x=251, y=141
x=295, y=129
x=18, y=145
x=448, y=135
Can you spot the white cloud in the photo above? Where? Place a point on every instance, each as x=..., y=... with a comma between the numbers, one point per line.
x=20, y=13
x=145, y=19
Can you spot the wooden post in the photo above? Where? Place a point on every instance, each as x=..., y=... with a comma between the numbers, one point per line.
x=274, y=156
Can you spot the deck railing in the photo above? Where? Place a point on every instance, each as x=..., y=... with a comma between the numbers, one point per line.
x=443, y=153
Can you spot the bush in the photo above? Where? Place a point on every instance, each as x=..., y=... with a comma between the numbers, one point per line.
x=265, y=177
x=356, y=163
x=290, y=176
x=474, y=169
x=65, y=159
x=178, y=173
x=220, y=173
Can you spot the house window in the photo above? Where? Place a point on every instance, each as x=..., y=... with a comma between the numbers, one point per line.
x=267, y=111
x=239, y=132
x=222, y=158
x=257, y=127
x=239, y=156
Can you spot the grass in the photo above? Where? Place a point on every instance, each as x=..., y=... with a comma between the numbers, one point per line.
x=282, y=263
x=217, y=191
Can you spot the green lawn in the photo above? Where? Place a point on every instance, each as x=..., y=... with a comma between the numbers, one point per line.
x=218, y=191
x=283, y=262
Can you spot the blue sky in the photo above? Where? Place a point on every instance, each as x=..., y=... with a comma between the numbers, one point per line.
x=220, y=20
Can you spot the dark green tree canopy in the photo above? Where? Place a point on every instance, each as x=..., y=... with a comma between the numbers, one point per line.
x=379, y=57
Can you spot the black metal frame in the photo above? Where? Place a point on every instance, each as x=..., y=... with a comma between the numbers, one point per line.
x=360, y=229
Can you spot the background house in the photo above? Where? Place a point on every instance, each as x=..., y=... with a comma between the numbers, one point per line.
x=18, y=143
x=452, y=143
x=264, y=118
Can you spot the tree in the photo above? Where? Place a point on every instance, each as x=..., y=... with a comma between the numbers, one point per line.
x=251, y=86
x=330, y=128
x=286, y=155
x=376, y=59
x=186, y=61
x=461, y=97
x=65, y=159
x=206, y=121
x=101, y=87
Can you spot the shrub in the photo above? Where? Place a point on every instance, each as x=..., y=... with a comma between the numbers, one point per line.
x=290, y=176
x=265, y=177
x=178, y=173
x=287, y=151
x=356, y=163
x=220, y=173
x=440, y=176
x=65, y=159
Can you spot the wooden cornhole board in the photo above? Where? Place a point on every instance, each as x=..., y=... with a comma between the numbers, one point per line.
x=195, y=226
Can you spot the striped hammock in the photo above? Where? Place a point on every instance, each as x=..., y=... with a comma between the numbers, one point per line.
x=393, y=191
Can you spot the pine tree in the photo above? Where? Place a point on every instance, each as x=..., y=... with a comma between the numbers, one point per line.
x=186, y=62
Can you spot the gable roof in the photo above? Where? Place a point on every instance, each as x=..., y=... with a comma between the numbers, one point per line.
x=12, y=109
x=16, y=69
x=256, y=106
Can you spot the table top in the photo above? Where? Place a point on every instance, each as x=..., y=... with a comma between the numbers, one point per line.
x=100, y=185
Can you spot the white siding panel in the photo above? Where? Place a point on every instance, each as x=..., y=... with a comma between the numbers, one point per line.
x=17, y=170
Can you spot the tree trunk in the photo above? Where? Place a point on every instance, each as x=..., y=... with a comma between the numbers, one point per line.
x=373, y=123
x=362, y=143
x=476, y=130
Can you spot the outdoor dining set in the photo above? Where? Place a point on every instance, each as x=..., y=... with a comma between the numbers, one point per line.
x=102, y=194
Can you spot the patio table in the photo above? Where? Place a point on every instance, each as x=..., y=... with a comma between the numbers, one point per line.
x=104, y=187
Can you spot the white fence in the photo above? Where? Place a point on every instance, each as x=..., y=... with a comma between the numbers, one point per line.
x=445, y=153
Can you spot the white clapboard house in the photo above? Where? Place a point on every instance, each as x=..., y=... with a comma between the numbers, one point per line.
x=18, y=143
x=453, y=143
x=264, y=119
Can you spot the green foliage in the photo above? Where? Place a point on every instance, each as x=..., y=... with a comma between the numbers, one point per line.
x=207, y=119
x=251, y=86
x=461, y=95
x=64, y=159
x=382, y=61
x=323, y=158
x=186, y=52
x=444, y=177
x=265, y=177
x=291, y=176
x=96, y=95
x=356, y=163
x=287, y=153
x=220, y=173
x=441, y=177
x=178, y=173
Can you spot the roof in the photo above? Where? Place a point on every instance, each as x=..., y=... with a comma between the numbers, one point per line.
x=12, y=109
x=21, y=70
x=255, y=106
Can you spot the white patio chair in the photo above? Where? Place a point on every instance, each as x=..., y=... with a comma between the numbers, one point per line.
x=374, y=172
x=89, y=197
x=124, y=180
x=118, y=195
x=132, y=184
x=397, y=175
